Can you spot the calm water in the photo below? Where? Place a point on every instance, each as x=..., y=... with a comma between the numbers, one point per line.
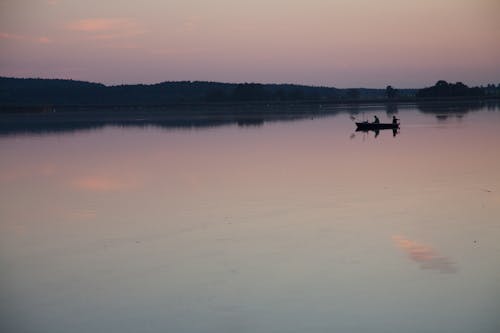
x=295, y=226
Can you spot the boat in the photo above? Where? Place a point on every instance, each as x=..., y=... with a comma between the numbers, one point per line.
x=366, y=126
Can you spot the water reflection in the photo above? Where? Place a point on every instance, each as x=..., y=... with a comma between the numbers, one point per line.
x=72, y=120
x=395, y=131
x=69, y=125
x=391, y=109
x=457, y=108
x=425, y=256
x=280, y=228
x=75, y=119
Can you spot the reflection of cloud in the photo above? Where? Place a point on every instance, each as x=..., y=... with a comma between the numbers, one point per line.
x=19, y=173
x=101, y=184
x=107, y=28
x=425, y=255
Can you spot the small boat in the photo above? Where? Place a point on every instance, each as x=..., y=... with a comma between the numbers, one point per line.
x=366, y=126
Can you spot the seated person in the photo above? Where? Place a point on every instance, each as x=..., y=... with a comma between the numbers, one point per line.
x=376, y=121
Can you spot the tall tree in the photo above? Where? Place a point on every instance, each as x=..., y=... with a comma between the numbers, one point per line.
x=390, y=92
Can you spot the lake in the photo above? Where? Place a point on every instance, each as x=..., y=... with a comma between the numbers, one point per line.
x=290, y=223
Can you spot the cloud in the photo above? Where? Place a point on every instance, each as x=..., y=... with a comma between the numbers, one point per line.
x=107, y=28
x=82, y=214
x=191, y=24
x=176, y=51
x=102, y=24
x=424, y=255
x=44, y=40
x=124, y=46
x=5, y=35
x=15, y=37
x=101, y=184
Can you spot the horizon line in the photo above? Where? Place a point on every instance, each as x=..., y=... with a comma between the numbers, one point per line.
x=226, y=82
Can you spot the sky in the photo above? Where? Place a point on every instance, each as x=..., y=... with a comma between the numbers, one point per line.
x=340, y=43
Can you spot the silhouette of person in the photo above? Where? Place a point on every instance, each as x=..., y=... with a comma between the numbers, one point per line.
x=376, y=121
x=394, y=120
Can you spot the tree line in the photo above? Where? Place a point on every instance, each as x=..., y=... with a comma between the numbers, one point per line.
x=443, y=89
x=15, y=91
x=68, y=92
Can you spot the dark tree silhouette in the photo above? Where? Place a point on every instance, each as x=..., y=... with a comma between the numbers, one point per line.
x=250, y=92
x=353, y=93
x=390, y=92
x=443, y=89
x=49, y=92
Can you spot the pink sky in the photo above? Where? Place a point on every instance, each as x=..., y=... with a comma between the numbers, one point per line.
x=342, y=43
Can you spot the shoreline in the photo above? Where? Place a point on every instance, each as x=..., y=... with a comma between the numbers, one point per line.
x=36, y=108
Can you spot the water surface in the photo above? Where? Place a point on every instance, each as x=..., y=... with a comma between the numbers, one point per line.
x=295, y=226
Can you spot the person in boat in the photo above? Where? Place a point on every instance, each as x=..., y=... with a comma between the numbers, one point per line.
x=376, y=121
x=395, y=120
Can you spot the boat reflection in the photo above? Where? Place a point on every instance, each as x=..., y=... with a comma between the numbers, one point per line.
x=395, y=131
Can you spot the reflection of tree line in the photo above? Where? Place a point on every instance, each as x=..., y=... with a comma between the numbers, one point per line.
x=74, y=126
x=458, y=109
x=69, y=119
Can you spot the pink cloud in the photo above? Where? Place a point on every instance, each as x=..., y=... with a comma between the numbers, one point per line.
x=124, y=46
x=44, y=40
x=15, y=37
x=191, y=24
x=107, y=28
x=83, y=214
x=101, y=184
x=176, y=51
x=5, y=35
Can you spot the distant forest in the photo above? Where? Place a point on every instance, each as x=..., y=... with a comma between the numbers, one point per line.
x=447, y=90
x=55, y=92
